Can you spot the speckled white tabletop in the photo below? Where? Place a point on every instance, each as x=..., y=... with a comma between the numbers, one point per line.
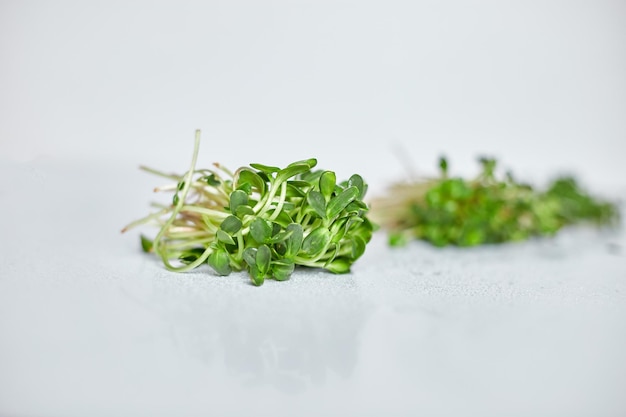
x=90, y=325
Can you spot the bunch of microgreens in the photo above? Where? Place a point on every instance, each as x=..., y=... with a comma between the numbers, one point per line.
x=454, y=211
x=260, y=218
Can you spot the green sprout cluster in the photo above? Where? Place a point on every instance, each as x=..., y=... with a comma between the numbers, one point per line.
x=260, y=218
x=455, y=211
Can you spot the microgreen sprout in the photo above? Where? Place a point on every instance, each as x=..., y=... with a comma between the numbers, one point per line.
x=454, y=211
x=261, y=218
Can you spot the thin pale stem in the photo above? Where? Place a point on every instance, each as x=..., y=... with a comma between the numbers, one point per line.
x=281, y=201
x=146, y=219
x=181, y=200
x=159, y=173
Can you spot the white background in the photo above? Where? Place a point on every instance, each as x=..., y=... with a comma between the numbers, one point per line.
x=90, y=326
x=539, y=84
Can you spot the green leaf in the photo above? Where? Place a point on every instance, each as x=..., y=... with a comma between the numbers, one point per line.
x=191, y=255
x=275, y=228
x=364, y=229
x=339, y=266
x=282, y=269
x=331, y=253
x=211, y=180
x=244, y=210
x=231, y=224
x=294, y=241
x=489, y=165
x=252, y=178
x=443, y=166
x=146, y=244
x=358, y=247
x=257, y=276
x=237, y=198
x=357, y=181
x=290, y=171
x=312, y=177
x=356, y=206
x=220, y=262
x=280, y=237
x=261, y=230
x=328, y=180
x=336, y=205
x=340, y=232
x=263, y=258
x=246, y=188
x=222, y=236
x=457, y=189
x=249, y=255
x=316, y=242
x=398, y=239
x=311, y=162
x=283, y=219
x=299, y=184
x=295, y=190
x=267, y=169
x=433, y=197
x=317, y=202
x=265, y=177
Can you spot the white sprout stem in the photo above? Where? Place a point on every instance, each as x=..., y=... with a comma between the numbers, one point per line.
x=159, y=173
x=281, y=202
x=207, y=252
x=179, y=205
x=207, y=211
x=174, y=187
x=266, y=202
x=185, y=235
x=188, y=243
x=146, y=219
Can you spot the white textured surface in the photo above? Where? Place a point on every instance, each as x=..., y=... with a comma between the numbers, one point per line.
x=89, y=325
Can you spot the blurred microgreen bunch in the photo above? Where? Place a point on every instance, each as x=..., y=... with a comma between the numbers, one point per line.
x=260, y=218
x=486, y=209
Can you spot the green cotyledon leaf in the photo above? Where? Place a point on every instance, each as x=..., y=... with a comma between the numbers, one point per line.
x=317, y=202
x=252, y=178
x=237, y=198
x=294, y=242
x=328, y=180
x=220, y=262
x=231, y=225
x=337, y=204
x=282, y=269
x=316, y=241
